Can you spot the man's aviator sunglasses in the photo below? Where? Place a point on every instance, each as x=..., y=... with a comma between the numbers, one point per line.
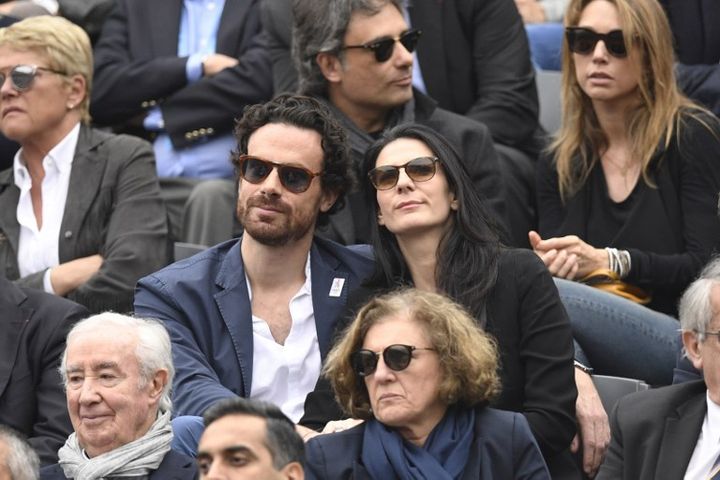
x=397, y=357
x=583, y=40
x=22, y=76
x=419, y=169
x=383, y=48
x=255, y=170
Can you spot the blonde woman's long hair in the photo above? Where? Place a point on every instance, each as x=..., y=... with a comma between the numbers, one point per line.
x=657, y=114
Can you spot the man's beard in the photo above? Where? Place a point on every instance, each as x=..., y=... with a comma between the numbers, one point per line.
x=283, y=229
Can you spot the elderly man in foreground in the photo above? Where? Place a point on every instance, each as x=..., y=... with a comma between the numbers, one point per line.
x=672, y=432
x=117, y=372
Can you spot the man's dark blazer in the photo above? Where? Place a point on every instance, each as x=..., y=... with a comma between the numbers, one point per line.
x=654, y=433
x=175, y=466
x=137, y=68
x=503, y=448
x=33, y=326
x=204, y=303
x=113, y=208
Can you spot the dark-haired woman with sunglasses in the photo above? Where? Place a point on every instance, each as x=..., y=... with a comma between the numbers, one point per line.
x=419, y=370
x=434, y=232
x=630, y=187
x=80, y=210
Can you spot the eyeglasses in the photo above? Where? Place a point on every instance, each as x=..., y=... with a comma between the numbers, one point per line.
x=255, y=170
x=715, y=334
x=383, y=48
x=397, y=357
x=22, y=76
x=419, y=169
x=583, y=40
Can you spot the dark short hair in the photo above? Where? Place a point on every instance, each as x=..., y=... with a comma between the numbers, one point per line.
x=304, y=112
x=283, y=442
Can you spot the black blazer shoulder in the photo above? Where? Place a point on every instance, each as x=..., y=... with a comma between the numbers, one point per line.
x=33, y=327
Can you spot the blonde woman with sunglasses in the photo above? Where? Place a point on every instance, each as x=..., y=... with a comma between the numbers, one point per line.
x=629, y=187
x=80, y=210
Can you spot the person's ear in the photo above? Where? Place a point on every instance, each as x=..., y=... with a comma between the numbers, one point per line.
x=77, y=91
x=380, y=220
x=330, y=66
x=328, y=200
x=158, y=382
x=293, y=471
x=693, y=348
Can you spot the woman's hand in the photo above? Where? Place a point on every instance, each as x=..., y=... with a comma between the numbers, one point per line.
x=333, y=426
x=568, y=257
x=68, y=276
x=594, y=429
x=340, y=425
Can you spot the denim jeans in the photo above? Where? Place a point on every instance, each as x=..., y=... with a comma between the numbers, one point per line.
x=618, y=337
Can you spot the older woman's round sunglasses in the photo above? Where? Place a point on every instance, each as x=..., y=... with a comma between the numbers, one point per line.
x=583, y=40
x=397, y=357
x=22, y=76
x=383, y=48
x=255, y=170
x=419, y=169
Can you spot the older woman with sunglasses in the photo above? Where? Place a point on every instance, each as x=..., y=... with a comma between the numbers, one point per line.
x=418, y=369
x=80, y=210
x=434, y=232
x=630, y=187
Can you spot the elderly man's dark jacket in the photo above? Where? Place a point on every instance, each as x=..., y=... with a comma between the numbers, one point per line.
x=33, y=326
x=175, y=466
x=654, y=433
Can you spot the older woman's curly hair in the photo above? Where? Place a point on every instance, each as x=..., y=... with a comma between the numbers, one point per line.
x=468, y=356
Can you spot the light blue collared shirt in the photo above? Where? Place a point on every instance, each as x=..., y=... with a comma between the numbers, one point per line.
x=199, y=24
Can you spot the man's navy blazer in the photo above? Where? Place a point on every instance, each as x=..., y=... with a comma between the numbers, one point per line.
x=174, y=466
x=203, y=301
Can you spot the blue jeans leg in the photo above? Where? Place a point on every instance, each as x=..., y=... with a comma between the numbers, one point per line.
x=619, y=337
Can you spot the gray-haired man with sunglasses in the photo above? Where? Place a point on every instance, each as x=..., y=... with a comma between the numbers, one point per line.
x=253, y=317
x=356, y=57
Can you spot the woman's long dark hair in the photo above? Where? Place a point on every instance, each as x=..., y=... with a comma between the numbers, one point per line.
x=467, y=256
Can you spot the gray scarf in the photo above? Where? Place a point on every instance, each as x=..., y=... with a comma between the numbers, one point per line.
x=134, y=459
x=360, y=140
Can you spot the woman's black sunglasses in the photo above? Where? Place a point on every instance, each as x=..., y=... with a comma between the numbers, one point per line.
x=22, y=76
x=397, y=357
x=383, y=48
x=583, y=41
x=255, y=170
x=419, y=169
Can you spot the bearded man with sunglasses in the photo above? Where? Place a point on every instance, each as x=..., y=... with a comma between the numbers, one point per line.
x=253, y=317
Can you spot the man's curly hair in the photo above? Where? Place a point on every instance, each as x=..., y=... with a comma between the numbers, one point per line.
x=304, y=112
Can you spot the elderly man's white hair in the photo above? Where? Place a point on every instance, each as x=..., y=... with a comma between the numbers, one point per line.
x=695, y=309
x=20, y=459
x=153, y=349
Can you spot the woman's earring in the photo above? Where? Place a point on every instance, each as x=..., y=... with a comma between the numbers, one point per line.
x=454, y=205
